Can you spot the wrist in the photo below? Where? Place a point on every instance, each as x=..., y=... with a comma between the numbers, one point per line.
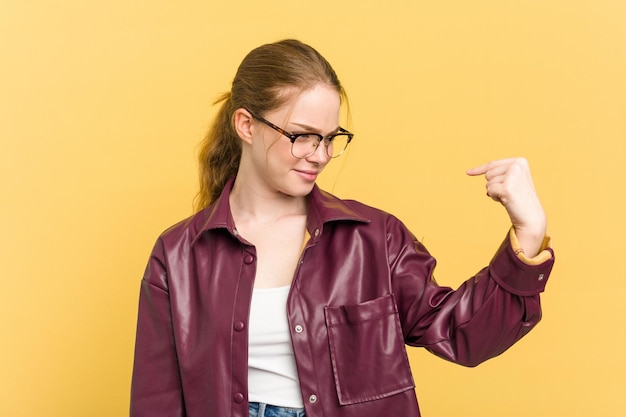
x=530, y=239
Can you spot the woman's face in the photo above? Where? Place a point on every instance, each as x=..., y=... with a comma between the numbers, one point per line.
x=312, y=111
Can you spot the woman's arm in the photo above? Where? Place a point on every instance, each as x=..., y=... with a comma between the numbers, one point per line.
x=156, y=385
x=496, y=307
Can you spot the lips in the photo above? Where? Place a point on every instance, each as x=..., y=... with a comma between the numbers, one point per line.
x=308, y=175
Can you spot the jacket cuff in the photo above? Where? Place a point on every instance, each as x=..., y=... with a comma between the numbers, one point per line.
x=540, y=258
x=521, y=275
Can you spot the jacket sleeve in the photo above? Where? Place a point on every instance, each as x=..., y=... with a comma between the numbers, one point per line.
x=485, y=316
x=156, y=384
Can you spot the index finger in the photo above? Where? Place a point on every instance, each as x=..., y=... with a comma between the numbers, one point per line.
x=483, y=169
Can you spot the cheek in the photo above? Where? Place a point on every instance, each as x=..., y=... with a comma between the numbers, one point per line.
x=265, y=150
x=279, y=152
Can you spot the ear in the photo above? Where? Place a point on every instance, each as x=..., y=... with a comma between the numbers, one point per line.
x=243, y=123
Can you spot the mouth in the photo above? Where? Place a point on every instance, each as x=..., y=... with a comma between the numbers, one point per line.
x=307, y=175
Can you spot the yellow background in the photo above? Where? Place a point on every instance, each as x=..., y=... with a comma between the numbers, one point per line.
x=103, y=104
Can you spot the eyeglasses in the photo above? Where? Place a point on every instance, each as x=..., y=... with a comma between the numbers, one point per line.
x=304, y=145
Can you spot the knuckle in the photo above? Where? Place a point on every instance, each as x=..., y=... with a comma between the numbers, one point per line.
x=521, y=161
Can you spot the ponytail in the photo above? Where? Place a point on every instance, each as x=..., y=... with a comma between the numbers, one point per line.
x=219, y=155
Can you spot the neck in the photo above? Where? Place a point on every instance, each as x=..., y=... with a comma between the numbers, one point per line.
x=251, y=203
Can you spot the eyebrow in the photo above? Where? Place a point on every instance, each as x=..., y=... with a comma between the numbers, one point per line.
x=313, y=129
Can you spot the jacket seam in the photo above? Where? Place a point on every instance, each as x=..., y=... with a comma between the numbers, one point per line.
x=165, y=290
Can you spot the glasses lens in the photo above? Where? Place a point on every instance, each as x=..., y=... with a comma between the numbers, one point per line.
x=305, y=145
x=337, y=145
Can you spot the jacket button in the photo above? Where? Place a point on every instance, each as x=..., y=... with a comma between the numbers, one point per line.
x=540, y=278
x=298, y=328
x=239, y=398
x=316, y=232
x=313, y=398
x=239, y=326
x=248, y=259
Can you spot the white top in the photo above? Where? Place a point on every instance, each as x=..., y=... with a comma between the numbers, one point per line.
x=272, y=374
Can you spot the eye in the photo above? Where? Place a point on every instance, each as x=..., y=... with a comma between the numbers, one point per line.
x=307, y=136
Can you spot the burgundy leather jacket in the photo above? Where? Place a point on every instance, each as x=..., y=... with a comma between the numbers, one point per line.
x=363, y=289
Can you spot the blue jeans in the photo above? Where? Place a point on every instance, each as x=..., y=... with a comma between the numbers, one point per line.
x=266, y=410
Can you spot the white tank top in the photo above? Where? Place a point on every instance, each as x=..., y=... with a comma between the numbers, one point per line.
x=272, y=374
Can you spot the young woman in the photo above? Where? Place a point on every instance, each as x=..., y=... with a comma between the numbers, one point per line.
x=279, y=299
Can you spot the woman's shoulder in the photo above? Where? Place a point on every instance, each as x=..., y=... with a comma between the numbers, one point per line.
x=331, y=206
x=186, y=229
x=375, y=223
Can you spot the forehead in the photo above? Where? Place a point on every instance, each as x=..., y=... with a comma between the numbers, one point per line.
x=316, y=107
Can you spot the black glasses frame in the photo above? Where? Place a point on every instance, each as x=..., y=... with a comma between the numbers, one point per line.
x=294, y=136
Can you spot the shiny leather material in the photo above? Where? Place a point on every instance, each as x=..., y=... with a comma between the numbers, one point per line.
x=362, y=290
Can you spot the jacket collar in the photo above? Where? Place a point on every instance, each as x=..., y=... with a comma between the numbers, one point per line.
x=323, y=208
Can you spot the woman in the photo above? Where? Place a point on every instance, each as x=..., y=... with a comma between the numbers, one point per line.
x=279, y=299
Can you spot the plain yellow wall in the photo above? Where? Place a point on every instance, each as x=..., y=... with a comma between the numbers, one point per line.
x=103, y=104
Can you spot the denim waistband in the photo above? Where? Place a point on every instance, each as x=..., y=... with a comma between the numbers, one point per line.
x=267, y=410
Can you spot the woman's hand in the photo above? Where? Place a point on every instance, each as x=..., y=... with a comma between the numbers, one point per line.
x=509, y=182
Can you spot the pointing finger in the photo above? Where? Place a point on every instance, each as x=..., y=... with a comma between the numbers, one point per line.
x=483, y=169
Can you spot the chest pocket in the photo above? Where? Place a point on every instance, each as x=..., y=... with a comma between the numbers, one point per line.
x=367, y=350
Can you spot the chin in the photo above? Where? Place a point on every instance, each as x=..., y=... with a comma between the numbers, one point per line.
x=298, y=191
